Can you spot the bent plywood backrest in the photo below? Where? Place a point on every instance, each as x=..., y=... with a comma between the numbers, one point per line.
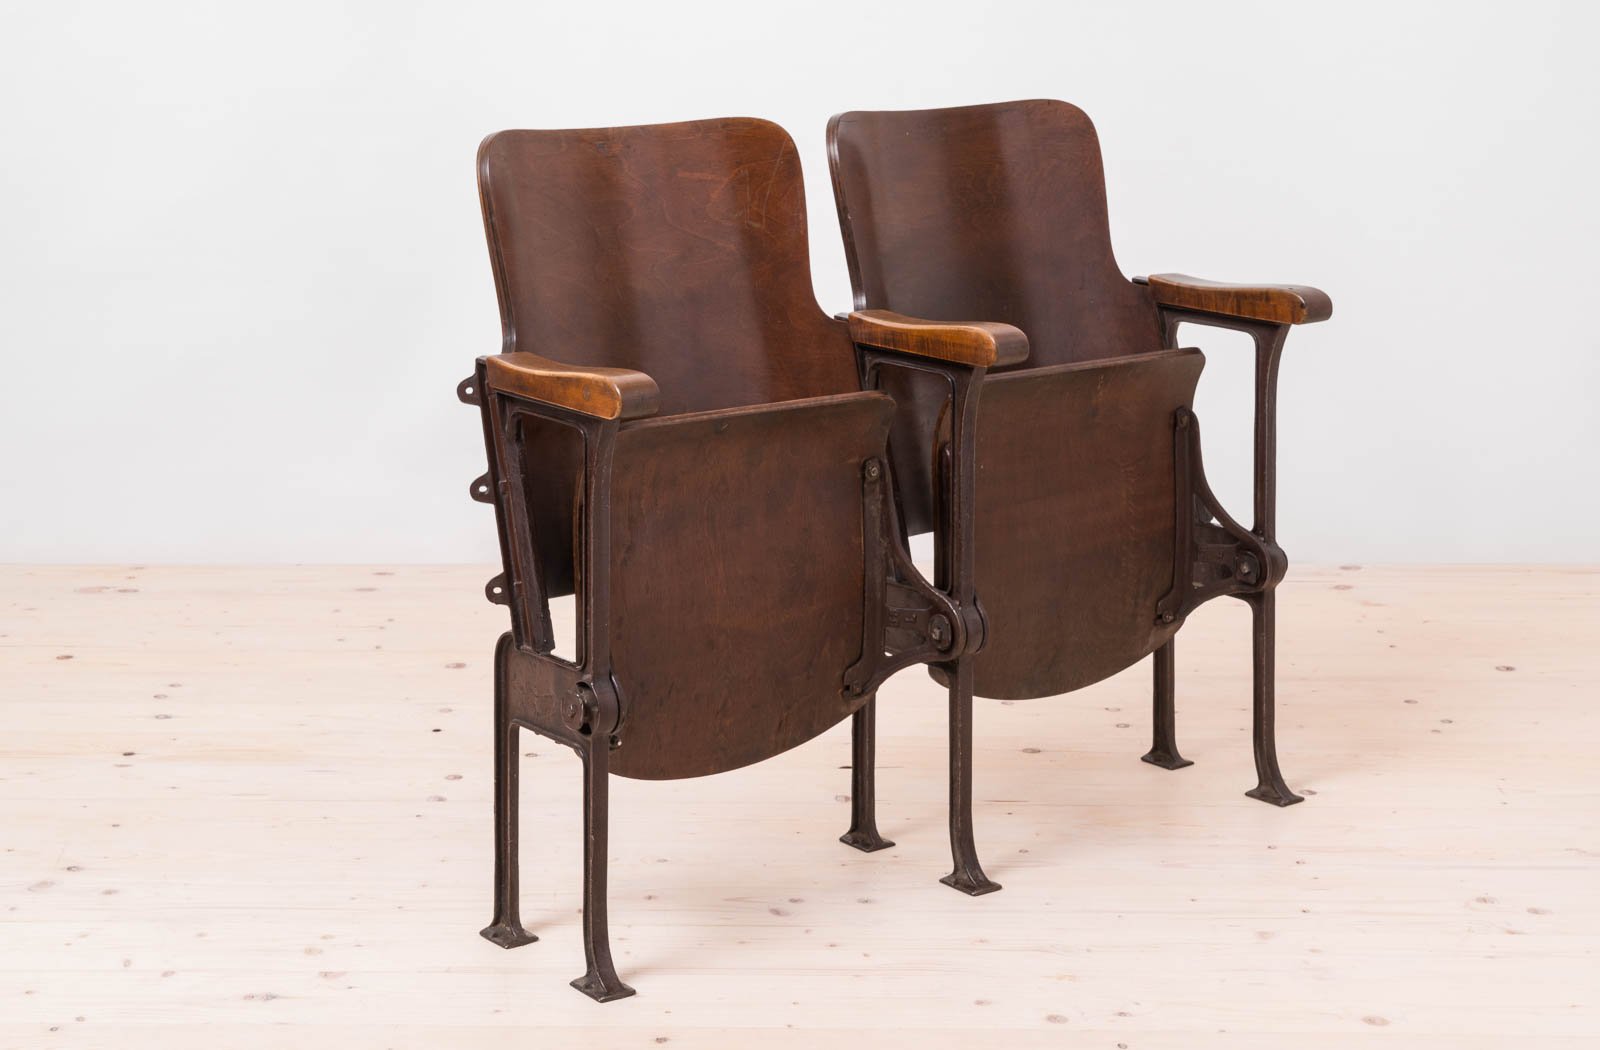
x=982, y=213
x=701, y=279
x=998, y=213
x=991, y=213
x=678, y=250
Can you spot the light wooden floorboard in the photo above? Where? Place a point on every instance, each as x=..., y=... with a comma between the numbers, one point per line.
x=249, y=807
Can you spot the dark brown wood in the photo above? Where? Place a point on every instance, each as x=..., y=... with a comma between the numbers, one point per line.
x=737, y=580
x=676, y=250
x=1075, y=510
x=604, y=393
x=1278, y=303
x=677, y=435
x=990, y=212
x=995, y=213
x=982, y=343
x=1096, y=533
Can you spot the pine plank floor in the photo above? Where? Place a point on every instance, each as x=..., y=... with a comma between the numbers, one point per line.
x=249, y=807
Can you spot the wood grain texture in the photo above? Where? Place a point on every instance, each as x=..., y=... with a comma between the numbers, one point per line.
x=677, y=250
x=1071, y=561
x=982, y=344
x=594, y=390
x=726, y=555
x=249, y=808
x=994, y=212
x=1280, y=303
x=737, y=586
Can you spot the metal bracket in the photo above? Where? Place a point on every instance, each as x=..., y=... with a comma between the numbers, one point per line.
x=486, y=489
x=911, y=621
x=916, y=622
x=497, y=591
x=1213, y=554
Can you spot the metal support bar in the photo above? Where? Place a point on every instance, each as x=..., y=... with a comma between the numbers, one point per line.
x=942, y=623
x=1225, y=558
x=590, y=711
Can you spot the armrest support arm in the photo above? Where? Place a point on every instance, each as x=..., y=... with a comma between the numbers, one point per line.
x=1275, y=303
x=980, y=344
x=603, y=393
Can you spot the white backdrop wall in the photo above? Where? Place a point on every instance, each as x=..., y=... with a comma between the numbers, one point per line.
x=242, y=269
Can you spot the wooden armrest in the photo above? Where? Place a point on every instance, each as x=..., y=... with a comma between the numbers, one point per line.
x=604, y=393
x=1281, y=303
x=980, y=344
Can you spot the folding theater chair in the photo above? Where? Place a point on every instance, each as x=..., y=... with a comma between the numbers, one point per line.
x=676, y=434
x=1095, y=531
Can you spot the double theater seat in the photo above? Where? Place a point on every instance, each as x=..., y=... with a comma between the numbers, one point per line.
x=726, y=478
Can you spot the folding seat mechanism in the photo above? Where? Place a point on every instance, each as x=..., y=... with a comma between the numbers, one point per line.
x=593, y=707
x=1213, y=554
x=915, y=622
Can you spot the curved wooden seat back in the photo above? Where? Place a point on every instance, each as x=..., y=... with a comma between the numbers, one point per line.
x=998, y=213
x=983, y=213
x=675, y=249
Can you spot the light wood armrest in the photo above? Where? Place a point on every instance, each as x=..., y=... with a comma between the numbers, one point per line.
x=982, y=344
x=1280, y=303
x=604, y=393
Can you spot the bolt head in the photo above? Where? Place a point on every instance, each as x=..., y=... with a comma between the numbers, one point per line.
x=873, y=470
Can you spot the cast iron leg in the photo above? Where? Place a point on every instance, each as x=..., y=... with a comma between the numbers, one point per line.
x=1164, y=738
x=1270, y=788
x=601, y=982
x=968, y=876
x=506, y=929
x=863, y=833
